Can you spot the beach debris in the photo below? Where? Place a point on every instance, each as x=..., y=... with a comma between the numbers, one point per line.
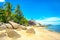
x=30, y=30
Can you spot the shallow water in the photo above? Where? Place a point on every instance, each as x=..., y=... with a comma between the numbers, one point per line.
x=55, y=28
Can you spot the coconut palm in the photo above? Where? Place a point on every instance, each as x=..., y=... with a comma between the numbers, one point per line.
x=19, y=13
x=7, y=7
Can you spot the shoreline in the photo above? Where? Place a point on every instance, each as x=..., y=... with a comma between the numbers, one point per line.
x=40, y=34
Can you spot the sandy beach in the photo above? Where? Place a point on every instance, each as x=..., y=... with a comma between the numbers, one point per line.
x=29, y=19
x=40, y=34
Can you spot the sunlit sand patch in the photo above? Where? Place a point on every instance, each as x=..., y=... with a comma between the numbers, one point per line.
x=2, y=31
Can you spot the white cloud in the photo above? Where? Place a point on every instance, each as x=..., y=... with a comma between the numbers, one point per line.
x=52, y=20
x=2, y=0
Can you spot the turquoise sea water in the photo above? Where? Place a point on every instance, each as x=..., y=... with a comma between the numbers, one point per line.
x=55, y=28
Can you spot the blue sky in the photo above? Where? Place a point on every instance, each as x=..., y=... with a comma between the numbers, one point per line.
x=38, y=9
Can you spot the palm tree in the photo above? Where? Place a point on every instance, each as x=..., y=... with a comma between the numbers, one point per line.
x=7, y=7
x=20, y=16
x=19, y=13
x=2, y=15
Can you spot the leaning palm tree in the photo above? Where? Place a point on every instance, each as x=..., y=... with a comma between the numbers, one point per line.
x=7, y=7
x=2, y=15
x=20, y=16
x=19, y=13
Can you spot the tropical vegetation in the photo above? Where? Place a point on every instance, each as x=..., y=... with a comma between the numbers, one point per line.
x=6, y=14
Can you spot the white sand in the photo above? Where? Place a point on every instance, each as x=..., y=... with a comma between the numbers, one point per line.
x=40, y=34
